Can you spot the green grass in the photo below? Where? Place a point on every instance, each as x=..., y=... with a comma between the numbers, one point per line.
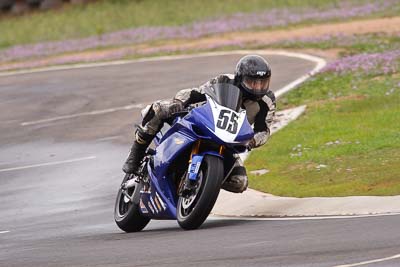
x=362, y=114
x=107, y=16
x=348, y=141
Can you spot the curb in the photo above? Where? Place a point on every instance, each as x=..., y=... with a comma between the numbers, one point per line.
x=252, y=203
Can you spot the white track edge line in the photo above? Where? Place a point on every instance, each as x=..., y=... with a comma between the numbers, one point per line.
x=4, y=232
x=370, y=261
x=47, y=164
x=151, y=59
x=90, y=113
x=301, y=218
x=319, y=61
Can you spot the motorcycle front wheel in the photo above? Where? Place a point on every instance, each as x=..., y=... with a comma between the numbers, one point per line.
x=193, y=210
x=126, y=212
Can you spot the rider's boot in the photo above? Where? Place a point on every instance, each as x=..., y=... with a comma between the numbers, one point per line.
x=237, y=180
x=138, y=151
x=136, y=155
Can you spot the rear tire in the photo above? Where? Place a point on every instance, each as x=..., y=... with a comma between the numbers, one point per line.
x=191, y=213
x=126, y=213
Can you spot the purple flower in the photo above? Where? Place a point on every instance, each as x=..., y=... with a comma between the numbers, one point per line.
x=342, y=40
x=372, y=64
x=236, y=22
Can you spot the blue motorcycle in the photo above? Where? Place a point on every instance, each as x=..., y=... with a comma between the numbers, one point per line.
x=181, y=177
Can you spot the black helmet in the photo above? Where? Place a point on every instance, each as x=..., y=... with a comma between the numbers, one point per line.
x=253, y=73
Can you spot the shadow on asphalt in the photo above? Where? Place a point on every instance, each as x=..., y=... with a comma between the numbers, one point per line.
x=207, y=225
x=172, y=228
x=216, y=223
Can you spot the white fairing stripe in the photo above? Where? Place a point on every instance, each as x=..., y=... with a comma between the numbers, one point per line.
x=224, y=134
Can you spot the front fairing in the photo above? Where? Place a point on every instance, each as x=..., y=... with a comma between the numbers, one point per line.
x=220, y=118
x=220, y=124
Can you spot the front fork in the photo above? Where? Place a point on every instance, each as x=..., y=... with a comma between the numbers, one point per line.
x=189, y=183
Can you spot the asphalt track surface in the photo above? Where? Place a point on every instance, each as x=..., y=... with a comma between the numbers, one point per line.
x=58, y=180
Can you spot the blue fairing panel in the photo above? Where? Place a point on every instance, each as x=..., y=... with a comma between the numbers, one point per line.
x=202, y=117
x=168, y=150
x=158, y=201
x=246, y=132
x=203, y=121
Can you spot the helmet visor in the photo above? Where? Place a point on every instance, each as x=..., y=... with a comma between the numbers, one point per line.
x=256, y=85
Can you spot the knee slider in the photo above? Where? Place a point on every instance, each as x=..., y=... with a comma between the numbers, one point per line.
x=237, y=180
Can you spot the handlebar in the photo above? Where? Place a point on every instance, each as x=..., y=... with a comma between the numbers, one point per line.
x=181, y=113
x=175, y=115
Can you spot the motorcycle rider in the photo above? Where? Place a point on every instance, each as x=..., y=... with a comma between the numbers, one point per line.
x=252, y=76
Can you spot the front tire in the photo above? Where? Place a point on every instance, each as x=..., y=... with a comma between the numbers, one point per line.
x=192, y=211
x=126, y=212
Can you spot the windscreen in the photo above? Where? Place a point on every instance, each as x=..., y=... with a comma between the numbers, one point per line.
x=226, y=95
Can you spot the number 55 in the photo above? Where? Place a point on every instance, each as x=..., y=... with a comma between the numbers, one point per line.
x=227, y=120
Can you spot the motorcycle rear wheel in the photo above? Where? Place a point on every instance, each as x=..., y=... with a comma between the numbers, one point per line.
x=126, y=212
x=192, y=211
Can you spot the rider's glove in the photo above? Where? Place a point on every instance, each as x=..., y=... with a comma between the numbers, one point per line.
x=176, y=106
x=259, y=139
x=251, y=144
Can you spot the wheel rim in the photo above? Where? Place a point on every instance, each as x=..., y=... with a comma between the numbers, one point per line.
x=125, y=203
x=186, y=204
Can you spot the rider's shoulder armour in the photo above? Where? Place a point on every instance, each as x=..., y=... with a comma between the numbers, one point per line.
x=223, y=78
